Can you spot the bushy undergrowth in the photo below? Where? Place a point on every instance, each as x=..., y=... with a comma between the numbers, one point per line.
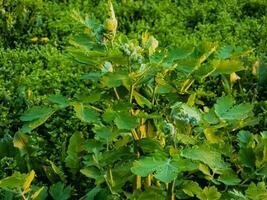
x=185, y=111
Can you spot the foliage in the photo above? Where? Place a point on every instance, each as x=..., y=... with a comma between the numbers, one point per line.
x=145, y=121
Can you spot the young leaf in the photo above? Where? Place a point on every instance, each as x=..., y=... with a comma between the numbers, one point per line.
x=257, y=192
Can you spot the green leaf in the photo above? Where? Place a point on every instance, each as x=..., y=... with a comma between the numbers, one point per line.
x=60, y=100
x=125, y=121
x=92, y=76
x=229, y=178
x=247, y=157
x=76, y=146
x=226, y=110
x=165, y=170
x=227, y=66
x=244, y=138
x=103, y=132
x=92, y=193
x=191, y=188
x=86, y=114
x=59, y=192
x=224, y=52
x=141, y=100
x=256, y=192
x=151, y=193
x=204, y=154
x=36, y=113
x=58, y=171
x=91, y=172
x=15, y=181
x=178, y=53
x=35, y=117
x=209, y=193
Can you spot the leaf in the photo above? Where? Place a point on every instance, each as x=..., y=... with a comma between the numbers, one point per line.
x=94, y=173
x=35, y=117
x=141, y=100
x=60, y=100
x=224, y=52
x=244, y=138
x=86, y=114
x=164, y=169
x=204, y=154
x=15, y=181
x=178, y=53
x=21, y=141
x=36, y=113
x=229, y=178
x=151, y=193
x=28, y=180
x=59, y=192
x=40, y=194
x=191, y=188
x=257, y=192
x=92, y=76
x=227, y=66
x=125, y=121
x=247, y=157
x=209, y=193
x=103, y=132
x=226, y=110
x=58, y=171
x=92, y=193
x=76, y=146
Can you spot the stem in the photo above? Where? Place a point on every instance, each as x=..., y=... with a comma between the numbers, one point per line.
x=116, y=93
x=131, y=94
x=138, y=182
x=170, y=191
x=148, y=180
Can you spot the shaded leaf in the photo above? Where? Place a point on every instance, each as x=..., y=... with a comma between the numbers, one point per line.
x=58, y=191
x=73, y=153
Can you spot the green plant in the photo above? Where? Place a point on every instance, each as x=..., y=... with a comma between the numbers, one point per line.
x=172, y=122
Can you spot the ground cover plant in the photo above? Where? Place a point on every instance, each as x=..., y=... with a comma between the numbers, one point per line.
x=146, y=120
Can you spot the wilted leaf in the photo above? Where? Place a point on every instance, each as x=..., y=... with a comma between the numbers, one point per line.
x=28, y=180
x=21, y=142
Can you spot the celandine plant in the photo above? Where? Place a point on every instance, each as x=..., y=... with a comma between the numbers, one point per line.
x=158, y=125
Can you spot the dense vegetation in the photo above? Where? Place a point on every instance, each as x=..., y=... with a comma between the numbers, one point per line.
x=166, y=99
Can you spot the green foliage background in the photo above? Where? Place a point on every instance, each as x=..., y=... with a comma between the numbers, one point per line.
x=31, y=70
